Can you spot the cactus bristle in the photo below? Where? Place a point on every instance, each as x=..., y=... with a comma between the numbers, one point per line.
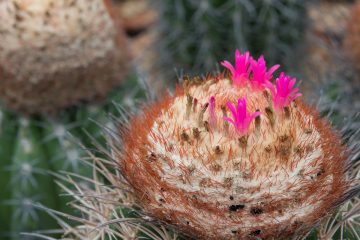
x=269, y=179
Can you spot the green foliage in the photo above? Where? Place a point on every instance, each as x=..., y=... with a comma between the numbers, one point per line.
x=196, y=34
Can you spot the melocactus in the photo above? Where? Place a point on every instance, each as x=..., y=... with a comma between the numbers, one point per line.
x=235, y=157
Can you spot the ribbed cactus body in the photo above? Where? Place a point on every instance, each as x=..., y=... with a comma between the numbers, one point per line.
x=214, y=171
x=195, y=34
x=7, y=132
x=30, y=183
x=54, y=54
x=32, y=150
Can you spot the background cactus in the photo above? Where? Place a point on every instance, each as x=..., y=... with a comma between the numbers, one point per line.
x=325, y=69
x=211, y=29
x=33, y=148
x=172, y=164
x=54, y=54
x=352, y=38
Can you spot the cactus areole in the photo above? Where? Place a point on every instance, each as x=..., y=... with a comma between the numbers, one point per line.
x=57, y=53
x=235, y=157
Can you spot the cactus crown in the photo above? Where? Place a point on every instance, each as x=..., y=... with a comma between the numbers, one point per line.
x=235, y=157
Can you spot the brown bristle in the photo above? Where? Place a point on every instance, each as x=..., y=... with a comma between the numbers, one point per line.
x=270, y=114
x=201, y=115
x=275, y=181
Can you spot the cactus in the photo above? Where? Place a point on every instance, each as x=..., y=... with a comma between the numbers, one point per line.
x=29, y=181
x=8, y=130
x=225, y=157
x=55, y=54
x=210, y=29
x=352, y=38
x=34, y=149
x=324, y=65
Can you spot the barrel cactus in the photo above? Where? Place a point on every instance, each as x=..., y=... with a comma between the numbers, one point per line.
x=54, y=54
x=226, y=157
x=211, y=29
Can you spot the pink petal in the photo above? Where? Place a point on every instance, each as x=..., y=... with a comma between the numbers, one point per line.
x=241, y=108
x=273, y=69
x=256, y=114
x=295, y=96
x=292, y=83
x=270, y=86
x=232, y=109
x=229, y=120
x=228, y=65
x=242, y=118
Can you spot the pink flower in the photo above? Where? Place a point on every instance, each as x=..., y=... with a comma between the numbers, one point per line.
x=284, y=93
x=241, y=117
x=259, y=74
x=240, y=74
x=212, y=117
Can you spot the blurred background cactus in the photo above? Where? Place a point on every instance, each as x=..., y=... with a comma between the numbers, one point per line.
x=35, y=149
x=54, y=57
x=352, y=38
x=195, y=34
x=326, y=68
x=54, y=54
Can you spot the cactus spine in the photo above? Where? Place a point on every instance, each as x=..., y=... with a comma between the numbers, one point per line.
x=30, y=182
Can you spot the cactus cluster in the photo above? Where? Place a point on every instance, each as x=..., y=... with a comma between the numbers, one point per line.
x=210, y=30
x=225, y=157
x=54, y=54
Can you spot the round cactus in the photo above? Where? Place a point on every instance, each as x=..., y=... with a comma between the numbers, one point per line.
x=54, y=54
x=235, y=157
